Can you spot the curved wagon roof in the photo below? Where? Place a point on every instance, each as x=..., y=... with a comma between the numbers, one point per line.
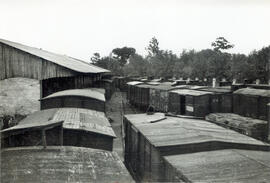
x=87, y=92
x=62, y=164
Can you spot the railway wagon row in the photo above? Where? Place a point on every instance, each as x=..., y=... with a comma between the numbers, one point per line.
x=71, y=136
x=198, y=100
x=182, y=99
x=159, y=148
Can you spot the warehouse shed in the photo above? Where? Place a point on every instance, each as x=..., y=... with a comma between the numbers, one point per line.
x=229, y=165
x=81, y=127
x=56, y=72
x=251, y=102
x=89, y=98
x=150, y=137
x=190, y=102
x=62, y=164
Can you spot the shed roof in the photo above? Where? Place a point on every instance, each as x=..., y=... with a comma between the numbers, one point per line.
x=191, y=92
x=254, y=92
x=74, y=118
x=62, y=60
x=223, y=166
x=174, y=131
x=134, y=82
x=62, y=164
x=87, y=92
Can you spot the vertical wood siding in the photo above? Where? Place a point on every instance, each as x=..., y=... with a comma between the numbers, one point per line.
x=16, y=63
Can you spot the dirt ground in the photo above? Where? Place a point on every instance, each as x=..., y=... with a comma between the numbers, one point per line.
x=116, y=107
x=19, y=97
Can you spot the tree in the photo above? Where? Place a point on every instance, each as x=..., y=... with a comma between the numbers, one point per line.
x=95, y=58
x=123, y=54
x=153, y=48
x=221, y=44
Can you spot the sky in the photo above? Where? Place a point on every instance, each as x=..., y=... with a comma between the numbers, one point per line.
x=79, y=28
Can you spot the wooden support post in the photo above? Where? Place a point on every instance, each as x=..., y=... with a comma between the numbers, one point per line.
x=61, y=134
x=44, y=139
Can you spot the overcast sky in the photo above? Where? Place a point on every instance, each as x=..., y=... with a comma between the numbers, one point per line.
x=79, y=27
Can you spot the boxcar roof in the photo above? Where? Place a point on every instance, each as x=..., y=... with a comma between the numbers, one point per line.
x=191, y=92
x=254, y=92
x=62, y=60
x=74, y=118
x=87, y=92
x=181, y=131
x=223, y=166
x=62, y=164
x=217, y=89
x=134, y=82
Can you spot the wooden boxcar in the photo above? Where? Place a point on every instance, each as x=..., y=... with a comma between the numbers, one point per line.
x=61, y=164
x=159, y=96
x=90, y=98
x=81, y=127
x=109, y=87
x=268, y=108
x=150, y=137
x=131, y=90
x=190, y=102
x=219, y=166
x=220, y=100
x=251, y=102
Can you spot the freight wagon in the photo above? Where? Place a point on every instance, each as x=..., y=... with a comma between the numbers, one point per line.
x=109, y=87
x=79, y=98
x=230, y=165
x=61, y=126
x=131, y=90
x=61, y=164
x=251, y=102
x=220, y=100
x=189, y=102
x=150, y=137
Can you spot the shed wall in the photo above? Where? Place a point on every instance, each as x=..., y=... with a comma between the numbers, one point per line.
x=16, y=63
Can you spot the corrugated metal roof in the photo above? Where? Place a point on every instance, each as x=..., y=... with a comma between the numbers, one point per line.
x=174, y=131
x=87, y=92
x=223, y=166
x=74, y=118
x=191, y=92
x=62, y=60
x=254, y=92
x=62, y=164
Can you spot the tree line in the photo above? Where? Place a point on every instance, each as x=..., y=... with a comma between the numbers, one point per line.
x=207, y=63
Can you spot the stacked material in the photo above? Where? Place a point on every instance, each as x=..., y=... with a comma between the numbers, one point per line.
x=61, y=164
x=252, y=127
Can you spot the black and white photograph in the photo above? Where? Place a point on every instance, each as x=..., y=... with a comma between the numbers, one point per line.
x=135, y=91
